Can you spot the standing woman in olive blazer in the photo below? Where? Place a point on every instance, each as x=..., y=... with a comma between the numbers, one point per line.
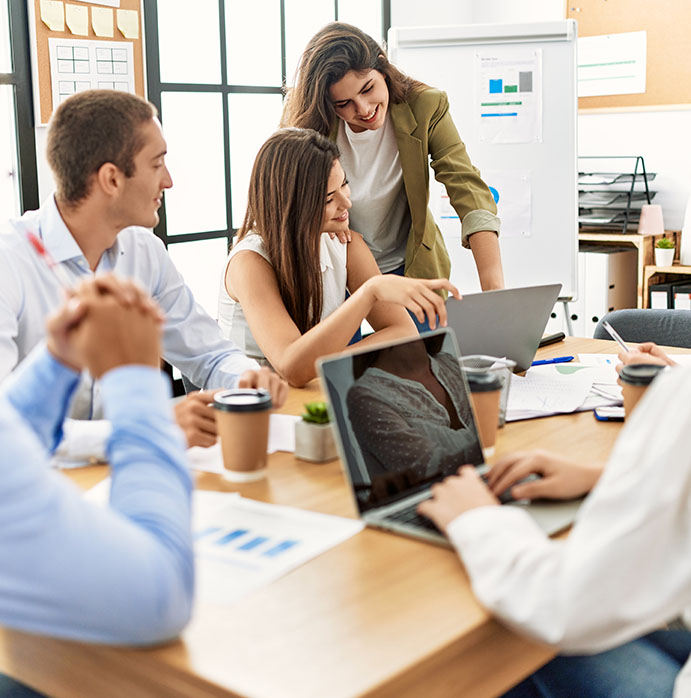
x=388, y=127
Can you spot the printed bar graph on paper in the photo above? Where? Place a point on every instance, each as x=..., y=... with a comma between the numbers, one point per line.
x=233, y=535
x=495, y=86
x=510, y=88
x=280, y=548
x=207, y=532
x=525, y=81
x=251, y=544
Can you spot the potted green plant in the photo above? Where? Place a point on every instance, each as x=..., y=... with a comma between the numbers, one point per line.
x=664, y=252
x=314, y=439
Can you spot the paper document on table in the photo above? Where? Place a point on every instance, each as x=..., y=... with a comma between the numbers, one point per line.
x=281, y=438
x=558, y=389
x=613, y=359
x=244, y=544
x=241, y=544
x=547, y=390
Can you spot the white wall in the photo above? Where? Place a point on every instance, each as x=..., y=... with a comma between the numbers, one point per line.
x=416, y=13
x=663, y=138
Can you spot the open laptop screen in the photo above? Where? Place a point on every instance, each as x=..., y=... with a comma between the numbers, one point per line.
x=403, y=416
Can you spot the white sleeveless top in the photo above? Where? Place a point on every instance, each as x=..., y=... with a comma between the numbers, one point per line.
x=231, y=318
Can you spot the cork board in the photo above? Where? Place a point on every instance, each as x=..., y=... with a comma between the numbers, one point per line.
x=667, y=22
x=41, y=55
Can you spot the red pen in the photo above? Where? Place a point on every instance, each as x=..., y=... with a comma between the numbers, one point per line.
x=59, y=273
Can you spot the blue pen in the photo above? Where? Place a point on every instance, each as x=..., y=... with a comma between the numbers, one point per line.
x=558, y=360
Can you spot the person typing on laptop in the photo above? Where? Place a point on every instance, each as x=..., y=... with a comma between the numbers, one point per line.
x=622, y=572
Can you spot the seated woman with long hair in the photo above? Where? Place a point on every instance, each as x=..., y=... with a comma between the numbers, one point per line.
x=284, y=294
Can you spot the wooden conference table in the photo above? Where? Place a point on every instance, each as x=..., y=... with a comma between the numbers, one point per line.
x=379, y=615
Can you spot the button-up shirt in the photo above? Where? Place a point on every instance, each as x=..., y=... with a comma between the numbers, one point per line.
x=69, y=567
x=624, y=569
x=29, y=292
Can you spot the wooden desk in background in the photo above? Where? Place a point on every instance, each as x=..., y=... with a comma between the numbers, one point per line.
x=379, y=615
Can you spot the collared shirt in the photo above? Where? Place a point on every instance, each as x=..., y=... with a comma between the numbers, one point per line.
x=624, y=569
x=70, y=568
x=29, y=292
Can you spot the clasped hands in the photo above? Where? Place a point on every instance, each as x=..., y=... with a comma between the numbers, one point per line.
x=107, y=322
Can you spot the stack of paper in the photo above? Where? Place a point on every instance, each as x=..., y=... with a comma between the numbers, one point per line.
x=560, y=389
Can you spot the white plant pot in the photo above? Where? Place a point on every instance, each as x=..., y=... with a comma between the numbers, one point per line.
x=664, y=258
x=314, y=442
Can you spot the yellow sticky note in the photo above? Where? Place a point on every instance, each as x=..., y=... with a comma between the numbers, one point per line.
x=53, y=15
x=102, y=21
x=128, y=23
x=77, y=18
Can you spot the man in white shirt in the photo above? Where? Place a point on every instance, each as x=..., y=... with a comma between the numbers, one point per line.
x=107, y=153
x=622, y=572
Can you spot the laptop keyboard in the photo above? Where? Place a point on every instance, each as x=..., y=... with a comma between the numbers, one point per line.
x=409, y=515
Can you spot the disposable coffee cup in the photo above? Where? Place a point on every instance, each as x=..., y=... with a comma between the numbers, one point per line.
x=634, y=380
x=242, y=420
x=485, y=393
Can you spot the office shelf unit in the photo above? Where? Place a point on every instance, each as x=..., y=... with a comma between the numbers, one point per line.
x=612, y=200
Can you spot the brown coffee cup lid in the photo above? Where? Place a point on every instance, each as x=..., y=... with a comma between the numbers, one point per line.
x=483, y=382
x=243, y=400
x=640, y=374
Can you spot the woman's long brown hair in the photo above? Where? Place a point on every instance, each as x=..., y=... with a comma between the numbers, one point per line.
x=332, y=52
x=286, y=201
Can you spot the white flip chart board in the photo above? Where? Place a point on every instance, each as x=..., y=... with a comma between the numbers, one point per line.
x=512, y=95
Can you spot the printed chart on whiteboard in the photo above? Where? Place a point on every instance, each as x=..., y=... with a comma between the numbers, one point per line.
x=508, y=88
x=77, y=65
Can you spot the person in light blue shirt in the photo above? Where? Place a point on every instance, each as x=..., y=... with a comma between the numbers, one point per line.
x=69, y=567
x=107, y=152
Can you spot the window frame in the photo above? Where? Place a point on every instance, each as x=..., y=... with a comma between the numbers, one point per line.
x=20, y=79
x=155, y=88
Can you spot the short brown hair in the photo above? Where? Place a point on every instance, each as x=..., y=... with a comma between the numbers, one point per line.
x=332, y=52
x=92, y=128
x=285, y=205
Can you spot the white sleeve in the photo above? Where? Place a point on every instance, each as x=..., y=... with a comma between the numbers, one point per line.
x=83, y=442
x=10, y=304
x=626, y=566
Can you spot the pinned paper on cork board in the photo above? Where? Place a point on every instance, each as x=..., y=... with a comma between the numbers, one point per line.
x=78, y=46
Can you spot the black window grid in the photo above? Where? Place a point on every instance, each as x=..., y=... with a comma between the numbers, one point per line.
x=20, y=80
x=155, y=88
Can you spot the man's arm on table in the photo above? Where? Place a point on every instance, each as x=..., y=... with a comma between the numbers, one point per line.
x=623, y=570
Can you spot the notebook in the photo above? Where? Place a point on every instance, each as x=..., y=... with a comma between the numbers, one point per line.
x=404, y=421
x=507, y=323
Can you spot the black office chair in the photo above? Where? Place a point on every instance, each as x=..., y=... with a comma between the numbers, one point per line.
x=189, y=386
x=670, y=327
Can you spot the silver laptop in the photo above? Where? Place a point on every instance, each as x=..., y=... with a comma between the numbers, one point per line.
x=507, y=323
x=404, y=421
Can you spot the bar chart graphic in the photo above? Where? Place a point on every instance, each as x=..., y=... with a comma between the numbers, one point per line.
x=508, y=86
x=244, y=540
x=240, y=544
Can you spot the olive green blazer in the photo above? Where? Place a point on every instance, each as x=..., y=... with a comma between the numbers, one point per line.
x=424, y=130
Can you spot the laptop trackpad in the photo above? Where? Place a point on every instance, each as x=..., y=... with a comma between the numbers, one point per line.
x=551, y=517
